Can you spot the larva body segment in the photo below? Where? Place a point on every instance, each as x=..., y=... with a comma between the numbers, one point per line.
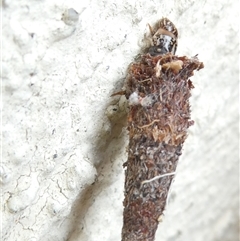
x=158, y=90
x=164, y=38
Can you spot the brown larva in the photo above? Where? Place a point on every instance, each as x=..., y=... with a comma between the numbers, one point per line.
x=158, y=90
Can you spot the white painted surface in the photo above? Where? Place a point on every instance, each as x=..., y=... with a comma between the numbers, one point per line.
x=61, y=173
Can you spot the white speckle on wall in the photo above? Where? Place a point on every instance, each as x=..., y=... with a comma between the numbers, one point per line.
x=64, y=138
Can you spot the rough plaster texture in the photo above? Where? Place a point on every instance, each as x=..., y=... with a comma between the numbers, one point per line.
x=61, y=172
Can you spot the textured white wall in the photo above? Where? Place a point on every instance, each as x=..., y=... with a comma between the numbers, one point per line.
x=61, y=173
